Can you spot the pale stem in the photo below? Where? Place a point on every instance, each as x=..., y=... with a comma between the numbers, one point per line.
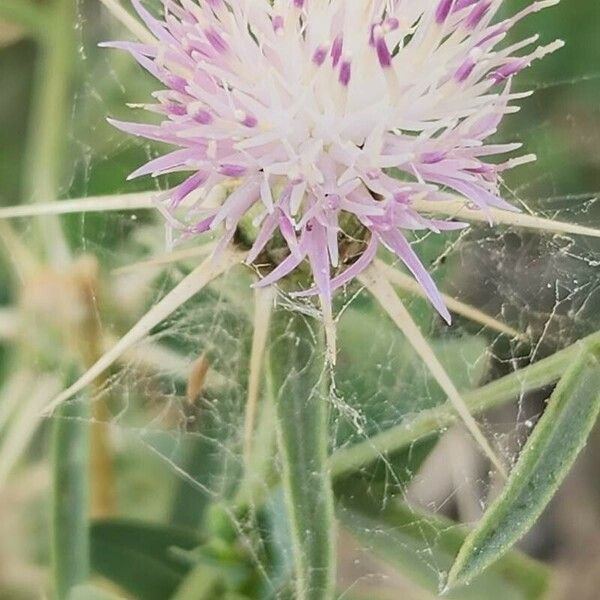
x=179, y=295
x=9, y=324
x=51, y=107
x=16, y=387
x=141, y=201
x=259, y=469
x=129, y=22
x=167, y=259
x=24, y=260
x=375, y=281
x=90, y=342
x=330, y=332
x=196, y=379
x=24, y=424
x=263, y=309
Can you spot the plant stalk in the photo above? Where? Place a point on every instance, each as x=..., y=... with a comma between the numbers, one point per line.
x=48, y=124
x=300, y=391
x=69, y=521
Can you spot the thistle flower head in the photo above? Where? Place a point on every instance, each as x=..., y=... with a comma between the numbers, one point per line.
x=324, y=118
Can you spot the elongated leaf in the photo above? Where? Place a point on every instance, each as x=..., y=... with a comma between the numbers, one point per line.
x=70, y=535
x=428, y=421
x=421, y=547
x=137, y=556
x=278, y=543
x=297, y=366
x=260, y=470
x=544, y=463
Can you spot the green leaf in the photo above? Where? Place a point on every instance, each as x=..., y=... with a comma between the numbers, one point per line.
x=201, y=584
x=544, y=463
x=91, y=592
x=429, y=421
x=379, y=374
x=397, y=469
x=208, y=450
x=201, y=456
x=299, y=380
x=277, y=540
x=138, y=556
x=70, y=535
x=421, y=546
x=50, y=115
x=260, y=473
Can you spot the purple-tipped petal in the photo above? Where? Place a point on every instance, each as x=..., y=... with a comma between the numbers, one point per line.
x=398, y=244
x=165, y=163
x=349, y=274
x=300, y=112
x=318, y=256
x=283, y=269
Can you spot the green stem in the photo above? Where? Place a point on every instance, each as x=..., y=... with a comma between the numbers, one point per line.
x=259, y=472
x=70, y=536
x=26, y=14
x=545, y=372
x=200, y=584
x=48, y=125
x=299, y=389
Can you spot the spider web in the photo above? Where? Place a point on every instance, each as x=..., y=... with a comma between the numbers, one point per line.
x=176, y=455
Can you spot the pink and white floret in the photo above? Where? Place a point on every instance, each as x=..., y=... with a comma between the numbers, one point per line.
x=300, y=116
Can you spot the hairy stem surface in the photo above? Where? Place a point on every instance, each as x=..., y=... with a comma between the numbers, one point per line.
x=300, y=392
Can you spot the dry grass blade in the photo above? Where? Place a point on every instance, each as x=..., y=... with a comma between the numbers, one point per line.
x=16, y=387
x=167, y=259
x=151, y=358
x=128, y=21
x=24, y=424
x=263, y=309
x=188, y=287
x=197, y=378
x=141, y=201
x=24, y=261
x=455, y=208
x=408, y=284
x=378, y=285
x=9, y=323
